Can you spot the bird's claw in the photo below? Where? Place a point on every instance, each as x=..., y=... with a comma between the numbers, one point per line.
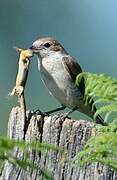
x=39, y=112
x=63, y=116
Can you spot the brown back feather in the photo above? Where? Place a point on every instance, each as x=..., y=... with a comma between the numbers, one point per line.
x=74, y=69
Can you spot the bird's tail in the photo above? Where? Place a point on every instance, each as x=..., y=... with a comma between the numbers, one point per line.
x=88, y=110
x=100, y=120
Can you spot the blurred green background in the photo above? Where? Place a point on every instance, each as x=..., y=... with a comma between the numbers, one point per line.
x=86, y=28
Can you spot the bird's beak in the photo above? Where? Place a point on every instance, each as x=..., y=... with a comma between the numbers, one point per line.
x=33, y=49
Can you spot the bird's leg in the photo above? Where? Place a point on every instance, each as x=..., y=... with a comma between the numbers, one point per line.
x=71, y=111
x=55, y=110
x=47, y=113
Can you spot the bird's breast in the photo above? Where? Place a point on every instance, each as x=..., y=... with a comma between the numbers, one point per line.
x=54, y=74
x=58, y=81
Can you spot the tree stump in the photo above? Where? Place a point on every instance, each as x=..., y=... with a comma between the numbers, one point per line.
x=67, y=133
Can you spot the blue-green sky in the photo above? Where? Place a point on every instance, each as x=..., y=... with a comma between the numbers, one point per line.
x=86, y=28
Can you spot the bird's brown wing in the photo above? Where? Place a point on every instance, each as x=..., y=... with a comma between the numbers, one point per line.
x=74, y=69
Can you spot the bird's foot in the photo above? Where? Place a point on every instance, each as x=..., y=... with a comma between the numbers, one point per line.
x=39, y=112
x=63, y=116
x=66, y=115
x=48, y=113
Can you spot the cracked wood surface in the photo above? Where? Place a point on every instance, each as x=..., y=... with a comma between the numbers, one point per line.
x=69, y=133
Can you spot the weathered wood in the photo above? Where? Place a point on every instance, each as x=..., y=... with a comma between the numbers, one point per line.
x=70, y=134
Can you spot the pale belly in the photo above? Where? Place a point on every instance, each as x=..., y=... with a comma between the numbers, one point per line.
x=60, y=85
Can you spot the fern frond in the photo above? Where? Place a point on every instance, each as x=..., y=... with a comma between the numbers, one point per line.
x=101, y=148
x=102, y=101
x=106, y=108
x=102, y=90
x=107, y=116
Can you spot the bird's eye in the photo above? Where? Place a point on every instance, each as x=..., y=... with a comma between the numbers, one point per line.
x=47, y=45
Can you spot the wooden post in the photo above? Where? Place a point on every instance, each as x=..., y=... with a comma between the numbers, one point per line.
x=68, y=133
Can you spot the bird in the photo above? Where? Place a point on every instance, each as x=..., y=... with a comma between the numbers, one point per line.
x=58, y=71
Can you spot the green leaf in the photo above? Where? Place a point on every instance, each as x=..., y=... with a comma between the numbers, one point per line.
x=102, y=90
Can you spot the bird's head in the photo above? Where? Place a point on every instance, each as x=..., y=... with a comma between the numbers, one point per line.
x=46, y=46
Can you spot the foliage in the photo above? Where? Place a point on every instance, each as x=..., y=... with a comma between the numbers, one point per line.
x=6, y=153
x=103, y=90
x=102, y=148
